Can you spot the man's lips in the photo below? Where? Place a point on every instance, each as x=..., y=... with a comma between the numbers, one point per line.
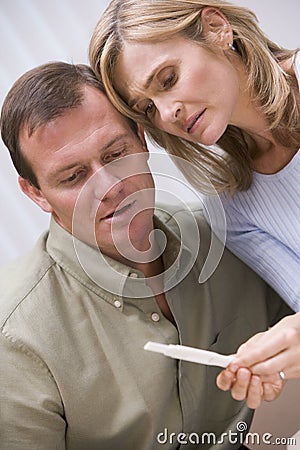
x=192, y=121
x=117, y=212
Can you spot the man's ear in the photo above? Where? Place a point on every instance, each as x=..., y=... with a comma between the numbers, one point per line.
x=34, y=194
x=141, y=135
x=216, y=27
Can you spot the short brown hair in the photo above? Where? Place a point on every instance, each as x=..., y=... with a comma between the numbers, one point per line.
x=39, y=96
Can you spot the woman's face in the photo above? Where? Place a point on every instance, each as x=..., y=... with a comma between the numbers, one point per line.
x=183, y=88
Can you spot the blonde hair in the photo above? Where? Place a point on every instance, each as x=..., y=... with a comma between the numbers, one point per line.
x=272, y=89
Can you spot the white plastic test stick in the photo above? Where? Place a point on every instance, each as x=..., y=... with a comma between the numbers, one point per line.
x=191, y=354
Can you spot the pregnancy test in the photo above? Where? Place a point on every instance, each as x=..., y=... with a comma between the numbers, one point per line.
x=191, y=354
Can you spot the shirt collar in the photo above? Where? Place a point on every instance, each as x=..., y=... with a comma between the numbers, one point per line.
x=105, y=276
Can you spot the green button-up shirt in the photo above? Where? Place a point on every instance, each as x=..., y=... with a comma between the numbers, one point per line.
x=73, y=371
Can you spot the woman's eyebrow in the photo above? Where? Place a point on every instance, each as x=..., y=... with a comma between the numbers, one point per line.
x=147, y=83
x=152, y=75
x=132, y=102
x=150, y=78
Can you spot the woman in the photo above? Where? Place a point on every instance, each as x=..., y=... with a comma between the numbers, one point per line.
x=197, y=73
x=211, y=88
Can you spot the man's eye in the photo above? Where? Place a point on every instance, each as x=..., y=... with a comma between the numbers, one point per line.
x=73, y=178
x=114, y=155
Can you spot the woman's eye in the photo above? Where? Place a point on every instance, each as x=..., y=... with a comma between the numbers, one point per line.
x=149, y=109
x=169, y=81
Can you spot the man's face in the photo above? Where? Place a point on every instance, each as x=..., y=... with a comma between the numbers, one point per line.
x=89, y=158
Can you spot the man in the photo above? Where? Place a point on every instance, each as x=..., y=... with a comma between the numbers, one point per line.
x=76, y=312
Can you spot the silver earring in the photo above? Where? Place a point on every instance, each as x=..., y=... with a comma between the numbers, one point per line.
x=232, y=47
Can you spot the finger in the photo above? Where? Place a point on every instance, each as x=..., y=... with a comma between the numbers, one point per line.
x=259, y=350
x=240, y=360
x=251, y=342
x=255, y=392
x=273, y=351
x=281, y=337
x=288, y=361
x=272, y=390
x=272, y=378
x=240, y=386
x=225, y=380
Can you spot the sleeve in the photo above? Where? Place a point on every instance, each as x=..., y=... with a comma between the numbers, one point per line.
x=277, y=264
x=31, y=412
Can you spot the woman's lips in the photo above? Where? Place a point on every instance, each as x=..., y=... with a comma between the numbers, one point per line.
x=193, y=122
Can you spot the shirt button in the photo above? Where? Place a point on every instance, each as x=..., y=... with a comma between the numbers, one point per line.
x=133, y=275
x=117, y=303
x=155, y=317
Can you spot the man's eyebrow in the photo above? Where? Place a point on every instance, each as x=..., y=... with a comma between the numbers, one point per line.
x=109, y=144
x=120, y=137
x=65, y=169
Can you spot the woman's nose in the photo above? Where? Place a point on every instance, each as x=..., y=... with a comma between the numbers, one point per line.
x=170, y=112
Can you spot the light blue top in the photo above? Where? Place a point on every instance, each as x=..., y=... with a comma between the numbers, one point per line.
x=263, y=225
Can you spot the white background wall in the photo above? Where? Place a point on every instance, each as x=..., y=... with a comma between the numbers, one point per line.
x=33, y=32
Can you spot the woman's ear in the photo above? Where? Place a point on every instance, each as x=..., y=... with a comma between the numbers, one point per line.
x=216, y=27
x=34, y=194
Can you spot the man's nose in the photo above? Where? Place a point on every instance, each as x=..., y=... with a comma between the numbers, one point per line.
x=107, y=183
